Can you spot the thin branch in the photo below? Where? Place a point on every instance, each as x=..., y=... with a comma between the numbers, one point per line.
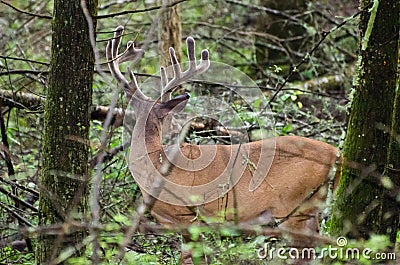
x=16, y=199
x=139, y=10
x=23, y=72
x=107, y=155
x=31, y=102
x=25, y=12
x=39, y=72
x=15, y=184
x=154, y=229
x=157, y=186
x=23, y=59
x=94, y=199
x=5, y=153
x=112, y=3
x=20, y=100
x=264, y=9
x=314, y=191
x=306, y=58
x=16, y=215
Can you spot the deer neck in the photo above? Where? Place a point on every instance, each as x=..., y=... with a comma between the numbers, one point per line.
x=146, y=138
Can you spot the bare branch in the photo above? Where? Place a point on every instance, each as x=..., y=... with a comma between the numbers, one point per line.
x=138, y=10
x=23, y=59
x=25, y=12
x=23, y=72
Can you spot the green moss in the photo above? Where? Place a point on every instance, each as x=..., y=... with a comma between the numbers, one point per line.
x=364, y=205
x=65, y=173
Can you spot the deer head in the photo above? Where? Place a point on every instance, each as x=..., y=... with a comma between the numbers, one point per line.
x=151, y=113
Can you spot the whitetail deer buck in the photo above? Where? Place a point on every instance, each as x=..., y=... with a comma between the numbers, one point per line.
x=298, y=166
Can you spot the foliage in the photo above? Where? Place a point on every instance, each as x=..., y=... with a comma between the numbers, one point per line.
x=12, y=256
x=227, y=30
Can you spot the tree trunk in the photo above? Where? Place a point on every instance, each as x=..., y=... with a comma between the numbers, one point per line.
x=393, y=160
x=284, y=29
x=169, y=32
x=366, y=197
x=65, y=174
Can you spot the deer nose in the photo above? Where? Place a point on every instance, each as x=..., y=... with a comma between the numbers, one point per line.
x=183, y=96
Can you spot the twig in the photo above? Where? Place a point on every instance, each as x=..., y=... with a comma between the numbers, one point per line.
x=325, y=34
x=21, y=219
x=264, y=9
x=23, y=59
x=314, y=191
x=111, y=3
x=15, y=184
x=94, y=199
x=25, y=12
x=18, y=200
x=155, y=229
x=305, y=59
x=107, y=155
x=156, y=188
x=23, y=72
x=6, y=152
x=139, y=10
x=20, y=100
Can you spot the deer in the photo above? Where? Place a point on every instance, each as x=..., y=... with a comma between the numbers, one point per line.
x=294, y=170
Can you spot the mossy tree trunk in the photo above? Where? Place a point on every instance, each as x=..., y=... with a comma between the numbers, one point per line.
x=65, y=173
x=366, y=197
x=393, y=158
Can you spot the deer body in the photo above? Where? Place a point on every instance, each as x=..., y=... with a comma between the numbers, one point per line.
x=293, y=176
x=297, y=165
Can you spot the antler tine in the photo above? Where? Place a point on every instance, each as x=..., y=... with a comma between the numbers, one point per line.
x=192, y=57
x=130, y=88
x=131, y=53
x=179, y=76
x=164, y=78
x=116, y=40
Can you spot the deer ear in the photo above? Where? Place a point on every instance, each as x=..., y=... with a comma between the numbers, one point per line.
x=175, y=105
